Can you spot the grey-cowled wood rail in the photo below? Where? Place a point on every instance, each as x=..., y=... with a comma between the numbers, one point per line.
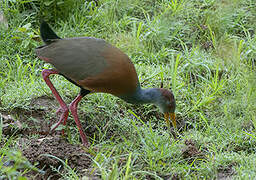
x=96, y=66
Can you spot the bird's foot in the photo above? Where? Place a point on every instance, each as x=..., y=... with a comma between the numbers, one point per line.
x=61, y=110
x=64, y=111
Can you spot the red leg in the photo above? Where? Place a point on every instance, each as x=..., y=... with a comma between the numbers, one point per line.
x=73, y=110
x=63, y=107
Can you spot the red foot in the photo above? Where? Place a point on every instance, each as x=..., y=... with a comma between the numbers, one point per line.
x=63, y=113
x=63, y=118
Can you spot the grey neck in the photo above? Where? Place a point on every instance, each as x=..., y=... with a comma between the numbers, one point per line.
x=142, y=96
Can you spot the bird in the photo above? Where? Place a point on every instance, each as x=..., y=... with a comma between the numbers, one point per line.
x=96, y=66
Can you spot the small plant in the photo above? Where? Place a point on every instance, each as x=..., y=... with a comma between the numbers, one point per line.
x=13, y=164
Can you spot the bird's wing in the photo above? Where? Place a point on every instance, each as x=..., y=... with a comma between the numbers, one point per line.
x=77, y=58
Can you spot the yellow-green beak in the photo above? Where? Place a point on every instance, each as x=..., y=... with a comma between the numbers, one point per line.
x=167, y=116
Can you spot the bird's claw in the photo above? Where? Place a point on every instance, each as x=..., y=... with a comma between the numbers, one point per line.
x=61, y=110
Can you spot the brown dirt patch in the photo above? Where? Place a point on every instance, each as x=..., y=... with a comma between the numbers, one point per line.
x=40, y=151
x=34, y=120
x=226, y=172
x=191, y=152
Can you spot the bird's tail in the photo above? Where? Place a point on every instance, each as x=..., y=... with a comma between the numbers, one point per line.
x=47, y=34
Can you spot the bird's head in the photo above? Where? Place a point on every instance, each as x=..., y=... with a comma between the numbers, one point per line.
x=167, y=105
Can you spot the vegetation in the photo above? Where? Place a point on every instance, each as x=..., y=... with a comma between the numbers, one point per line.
x=204, y=50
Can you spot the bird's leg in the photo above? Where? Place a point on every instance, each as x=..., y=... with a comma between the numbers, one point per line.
x=63, y=107
x=73, y=110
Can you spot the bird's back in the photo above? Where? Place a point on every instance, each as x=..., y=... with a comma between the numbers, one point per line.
x=92, y=63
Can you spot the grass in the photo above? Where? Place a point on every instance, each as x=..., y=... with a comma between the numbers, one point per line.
x=203, y=50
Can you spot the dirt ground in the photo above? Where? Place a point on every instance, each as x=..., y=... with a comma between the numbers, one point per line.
x=41, y=151
x=44, y=149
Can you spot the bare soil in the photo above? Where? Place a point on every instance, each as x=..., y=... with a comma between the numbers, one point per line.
x=226, y=172
x=46, y=151
x=191, y=151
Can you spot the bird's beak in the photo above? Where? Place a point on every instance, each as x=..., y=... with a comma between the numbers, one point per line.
x=167, y=116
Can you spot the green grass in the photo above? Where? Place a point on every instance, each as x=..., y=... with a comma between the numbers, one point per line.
x=203, y=50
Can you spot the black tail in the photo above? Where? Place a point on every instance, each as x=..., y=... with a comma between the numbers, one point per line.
x=47, y=34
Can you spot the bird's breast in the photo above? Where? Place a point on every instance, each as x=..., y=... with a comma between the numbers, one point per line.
x=118, y=77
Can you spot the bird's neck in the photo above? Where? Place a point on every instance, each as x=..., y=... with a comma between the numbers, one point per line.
x=142, y=96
